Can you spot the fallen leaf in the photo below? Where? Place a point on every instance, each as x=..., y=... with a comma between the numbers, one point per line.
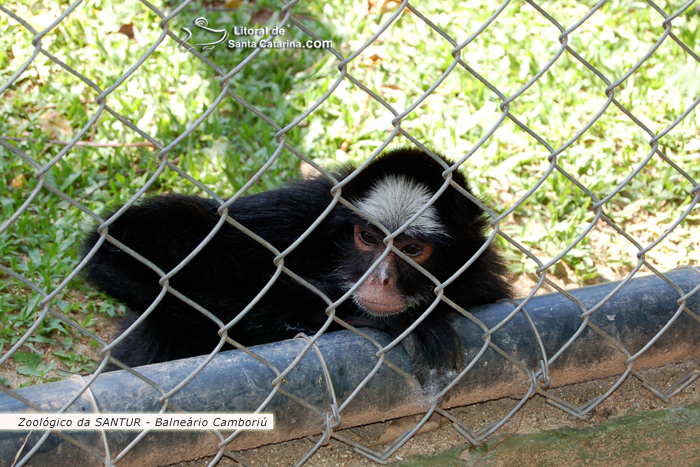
x=18, y=181
x=55, y=124
x=128, y=30
x=400, y=426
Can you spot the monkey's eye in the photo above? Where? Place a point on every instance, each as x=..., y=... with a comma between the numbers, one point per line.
x=368, y=238
x=412, y=250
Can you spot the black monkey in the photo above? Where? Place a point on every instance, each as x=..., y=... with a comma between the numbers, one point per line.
x=233, y=268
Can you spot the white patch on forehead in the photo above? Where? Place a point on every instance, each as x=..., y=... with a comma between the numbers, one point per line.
x=394, y=199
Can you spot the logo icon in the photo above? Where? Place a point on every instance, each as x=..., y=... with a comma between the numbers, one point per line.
x=202, y=23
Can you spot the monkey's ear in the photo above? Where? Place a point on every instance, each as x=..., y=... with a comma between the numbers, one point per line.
x=308, y=171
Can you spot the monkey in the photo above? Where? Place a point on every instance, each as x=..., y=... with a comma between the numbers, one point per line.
x=232, y=268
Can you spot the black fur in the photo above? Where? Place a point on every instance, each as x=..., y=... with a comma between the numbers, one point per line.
x=232, y=269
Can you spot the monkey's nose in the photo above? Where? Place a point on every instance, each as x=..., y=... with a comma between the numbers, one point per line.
x=384, y=277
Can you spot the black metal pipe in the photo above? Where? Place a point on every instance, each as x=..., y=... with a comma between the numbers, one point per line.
x=235, y=382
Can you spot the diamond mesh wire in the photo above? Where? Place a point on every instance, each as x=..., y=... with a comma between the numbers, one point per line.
x=613, y=99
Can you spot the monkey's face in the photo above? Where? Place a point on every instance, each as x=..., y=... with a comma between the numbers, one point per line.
x=394, y=285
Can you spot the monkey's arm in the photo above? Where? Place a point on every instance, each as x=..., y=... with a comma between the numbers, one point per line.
x=166, y=229
x=223, y=277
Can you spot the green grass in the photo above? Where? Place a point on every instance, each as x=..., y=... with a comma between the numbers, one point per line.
x=172, y=89
x=163, y=97
x=649, y=438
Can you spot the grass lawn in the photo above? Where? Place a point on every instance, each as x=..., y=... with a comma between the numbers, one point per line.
x=47, y=106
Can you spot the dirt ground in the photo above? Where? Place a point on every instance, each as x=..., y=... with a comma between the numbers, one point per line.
x=628, y=428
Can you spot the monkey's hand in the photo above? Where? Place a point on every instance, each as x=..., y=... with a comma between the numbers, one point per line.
x=435, y=349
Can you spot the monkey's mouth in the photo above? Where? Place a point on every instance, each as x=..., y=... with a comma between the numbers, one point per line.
x=380, y=308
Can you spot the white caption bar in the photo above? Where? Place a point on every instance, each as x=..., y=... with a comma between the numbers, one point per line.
x=73, y=422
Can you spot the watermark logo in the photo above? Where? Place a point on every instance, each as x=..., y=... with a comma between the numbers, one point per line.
x=203, y=24
x=245, y=38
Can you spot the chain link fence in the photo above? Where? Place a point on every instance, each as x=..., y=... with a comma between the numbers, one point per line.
x=536, y=374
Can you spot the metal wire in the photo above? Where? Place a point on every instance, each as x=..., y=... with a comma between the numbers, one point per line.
x=330, y=417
